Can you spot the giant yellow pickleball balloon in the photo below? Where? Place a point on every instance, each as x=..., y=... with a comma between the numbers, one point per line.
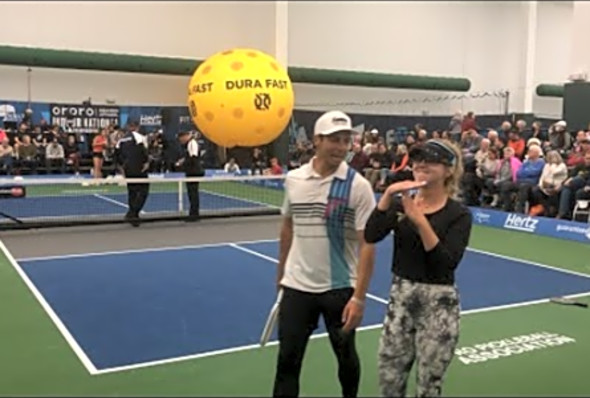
x=241, y=97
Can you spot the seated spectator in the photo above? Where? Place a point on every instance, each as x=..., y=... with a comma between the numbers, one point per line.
x=533, y=141
x=72, y=153
x=583, y=193
x=521, y=126
x=537, y=133
x=504, y=180
x=422, y=135
x=579, y=178
x=581, y=147
x=258, y=159
x=231, y=166
x=485, y=171
x=409, y=141
x=23, y=130
x=559, y=138
x=377, y=161
x=27, y=154
x=500, y=144
x=505, y=129
x=470, y=140
x=275, y=167
x=516, y=142
x=527, y=177
x=544, y=197
x=55, y=157
x=482, y=152
x=493, y=137
x=359, y=160
x=400, y=168
x=6, y=156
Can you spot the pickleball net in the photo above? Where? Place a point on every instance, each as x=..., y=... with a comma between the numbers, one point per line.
x=45, y=202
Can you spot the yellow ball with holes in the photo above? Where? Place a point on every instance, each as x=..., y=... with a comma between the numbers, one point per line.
x=241, y=97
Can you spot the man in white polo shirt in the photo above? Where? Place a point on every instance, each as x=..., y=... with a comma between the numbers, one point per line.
x=324, y=263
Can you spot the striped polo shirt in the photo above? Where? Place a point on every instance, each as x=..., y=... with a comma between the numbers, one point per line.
x=327, y=214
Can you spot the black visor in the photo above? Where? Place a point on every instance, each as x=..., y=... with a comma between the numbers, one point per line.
x=433, y=152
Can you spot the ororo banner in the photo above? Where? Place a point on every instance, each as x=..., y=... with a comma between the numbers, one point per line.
x=84, y=118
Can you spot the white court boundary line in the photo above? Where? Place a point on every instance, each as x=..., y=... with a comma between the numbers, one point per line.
x=249, y=347
x=236, y=198
x=236, y=245
x=274, y=260
x=220, y=244
x=49, y=311
x=114, y=201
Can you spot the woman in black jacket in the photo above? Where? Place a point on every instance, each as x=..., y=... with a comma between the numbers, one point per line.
x=431, y=232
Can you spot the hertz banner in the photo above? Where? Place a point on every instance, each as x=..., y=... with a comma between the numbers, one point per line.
x=561, y=229
x=83, y=118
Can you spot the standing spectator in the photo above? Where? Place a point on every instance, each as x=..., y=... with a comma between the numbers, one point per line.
x=99, y=144
x=468, y=122
x=455, y=126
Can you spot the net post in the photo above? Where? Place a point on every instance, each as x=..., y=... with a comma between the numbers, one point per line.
x=180, y=195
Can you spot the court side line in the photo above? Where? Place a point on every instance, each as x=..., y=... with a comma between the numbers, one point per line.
x=254, y=202
x=231, y=350
x=503, y=257
x=218, y=244
x=250, y=347
x=274, y=260
x=113, y=201
x=146, y=250
x=52, y=315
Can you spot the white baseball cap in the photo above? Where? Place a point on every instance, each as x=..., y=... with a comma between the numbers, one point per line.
x=332, y=122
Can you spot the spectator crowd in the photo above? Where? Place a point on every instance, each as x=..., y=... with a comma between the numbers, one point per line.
x=516, y=168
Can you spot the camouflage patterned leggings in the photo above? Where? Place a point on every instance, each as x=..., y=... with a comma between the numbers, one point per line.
x=422, y=324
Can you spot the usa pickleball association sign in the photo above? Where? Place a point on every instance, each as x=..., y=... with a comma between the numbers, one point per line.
x=84, y=118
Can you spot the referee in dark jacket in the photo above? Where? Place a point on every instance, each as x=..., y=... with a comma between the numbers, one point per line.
x=132, y=157
x=191, y=163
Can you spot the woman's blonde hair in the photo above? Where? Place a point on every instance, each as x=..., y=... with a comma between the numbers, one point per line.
x=553, y=156
x=453, y=181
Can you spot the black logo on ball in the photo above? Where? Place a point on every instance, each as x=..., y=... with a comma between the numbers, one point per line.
x=262, y=102
x=193, y=109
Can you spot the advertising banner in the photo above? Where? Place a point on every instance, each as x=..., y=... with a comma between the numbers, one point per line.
x=85, y=119
x=561, y=229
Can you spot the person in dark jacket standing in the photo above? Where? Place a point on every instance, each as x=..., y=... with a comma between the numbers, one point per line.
x=191, y=163
x=132, y=158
